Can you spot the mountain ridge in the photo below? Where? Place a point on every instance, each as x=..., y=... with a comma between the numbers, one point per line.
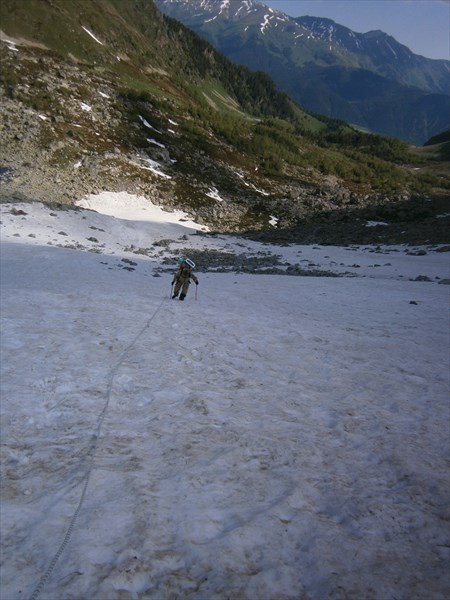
x=295, y=51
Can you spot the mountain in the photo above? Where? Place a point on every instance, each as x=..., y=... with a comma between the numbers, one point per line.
x=367, y=79
x=112, y=95
x=440, y=138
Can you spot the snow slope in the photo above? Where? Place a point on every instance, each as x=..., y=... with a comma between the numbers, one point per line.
x=276, y=438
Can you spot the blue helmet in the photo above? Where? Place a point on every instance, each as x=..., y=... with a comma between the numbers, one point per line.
x=180, y=261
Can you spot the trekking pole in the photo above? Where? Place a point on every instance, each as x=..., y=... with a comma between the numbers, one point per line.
x=171, y=290
x=196, y=288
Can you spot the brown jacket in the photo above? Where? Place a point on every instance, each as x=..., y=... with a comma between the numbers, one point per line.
x=184, y=274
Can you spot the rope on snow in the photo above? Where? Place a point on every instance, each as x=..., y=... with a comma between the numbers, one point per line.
x=111, y=377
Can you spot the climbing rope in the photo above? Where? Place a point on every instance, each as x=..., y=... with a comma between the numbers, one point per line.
x=111, y=377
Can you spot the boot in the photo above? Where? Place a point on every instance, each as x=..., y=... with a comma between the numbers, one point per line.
x=182, y=296
x=174, y=296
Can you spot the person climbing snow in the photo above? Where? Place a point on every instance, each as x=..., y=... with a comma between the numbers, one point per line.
x=182, y=278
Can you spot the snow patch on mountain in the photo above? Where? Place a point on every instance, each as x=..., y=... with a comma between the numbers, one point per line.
x=92, y=35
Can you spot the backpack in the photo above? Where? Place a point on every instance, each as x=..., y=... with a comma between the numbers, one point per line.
x=185, y=271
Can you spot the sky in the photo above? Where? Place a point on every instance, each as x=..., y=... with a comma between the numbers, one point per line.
x=271, y=437
x=421, y=25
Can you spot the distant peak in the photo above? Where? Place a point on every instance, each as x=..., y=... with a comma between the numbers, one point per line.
x=318, y=19
x=376, y=33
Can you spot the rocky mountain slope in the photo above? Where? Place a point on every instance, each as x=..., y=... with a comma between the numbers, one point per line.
x=117, y=97
x=368, y=79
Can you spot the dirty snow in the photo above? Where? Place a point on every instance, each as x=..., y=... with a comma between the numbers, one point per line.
x=271, y=437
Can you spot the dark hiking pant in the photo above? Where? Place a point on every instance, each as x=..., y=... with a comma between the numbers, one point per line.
x=183, y=285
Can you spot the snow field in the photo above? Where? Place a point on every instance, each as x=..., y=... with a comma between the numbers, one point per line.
x=279, y=437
